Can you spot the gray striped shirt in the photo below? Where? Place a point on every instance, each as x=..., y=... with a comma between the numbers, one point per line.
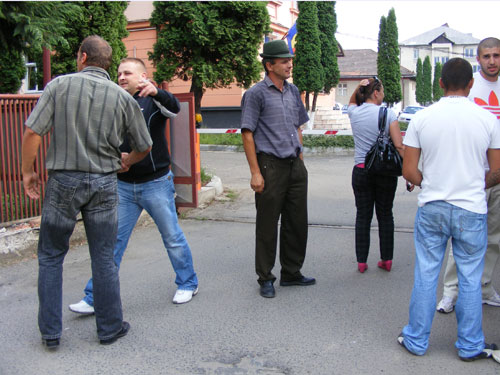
x=274, y=117
x=89, y=116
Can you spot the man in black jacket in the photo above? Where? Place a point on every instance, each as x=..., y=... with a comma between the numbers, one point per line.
x=149, y=185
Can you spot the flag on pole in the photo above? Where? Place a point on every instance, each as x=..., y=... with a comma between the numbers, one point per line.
x=290, y=38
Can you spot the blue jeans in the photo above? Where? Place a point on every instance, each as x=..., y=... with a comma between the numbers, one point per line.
x=435, y=223
x=94, y=195
x=157, y=197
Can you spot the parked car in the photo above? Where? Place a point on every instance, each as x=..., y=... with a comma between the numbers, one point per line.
x=408, y=113
x=344, y=109
x=337, y=106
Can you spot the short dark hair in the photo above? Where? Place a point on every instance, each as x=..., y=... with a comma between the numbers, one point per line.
x=268, y=60
x=488, y=43
x=99, y=52
x=456, y=74
x=364, y=92
x=134, y=60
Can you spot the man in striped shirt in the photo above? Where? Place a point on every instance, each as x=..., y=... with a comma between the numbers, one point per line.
x=271, y=116
x=89, y=117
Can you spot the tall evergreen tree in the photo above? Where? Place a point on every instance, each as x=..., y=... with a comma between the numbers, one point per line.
x=388, y=66
x=212, y=43
x=308, y=73
x=327, y=24
x=437, y=91
x=427, y=77
x=419, y=96
x=104, y=18
x=13, y=70
x=26, y=27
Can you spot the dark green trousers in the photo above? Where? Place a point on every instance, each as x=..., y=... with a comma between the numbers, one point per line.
x=285, y=196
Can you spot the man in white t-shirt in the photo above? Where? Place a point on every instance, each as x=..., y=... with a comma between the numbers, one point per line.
x=455, y=139
x=486, y=93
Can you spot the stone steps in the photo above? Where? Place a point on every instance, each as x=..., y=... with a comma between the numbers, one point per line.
x=327, y=118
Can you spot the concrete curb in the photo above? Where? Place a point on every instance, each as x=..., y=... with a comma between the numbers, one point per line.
x=210, y=191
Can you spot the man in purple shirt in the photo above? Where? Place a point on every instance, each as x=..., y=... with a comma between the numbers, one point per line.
x=272, y=113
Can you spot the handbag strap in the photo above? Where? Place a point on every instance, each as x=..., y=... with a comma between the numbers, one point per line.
x=382, y=119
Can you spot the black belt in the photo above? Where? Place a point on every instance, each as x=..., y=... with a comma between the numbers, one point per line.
x=272, y=157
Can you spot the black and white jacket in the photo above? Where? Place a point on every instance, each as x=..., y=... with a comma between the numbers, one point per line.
x=156, y=110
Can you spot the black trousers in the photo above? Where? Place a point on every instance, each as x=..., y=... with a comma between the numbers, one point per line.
x=370, y=190
x=285, y=196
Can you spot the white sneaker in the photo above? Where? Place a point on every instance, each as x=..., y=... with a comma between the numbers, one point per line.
x=446, y=305
x=496, y=355
x=183, y=296
x=82, y=307
x=494, y=300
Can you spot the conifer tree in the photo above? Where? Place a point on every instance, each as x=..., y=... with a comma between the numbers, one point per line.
x=427, y=77
x=104, y=18
x=26, y=27
x=388, y=66
x=308, y=73
x=419, y=97
x=327, y=25
x=437, y=91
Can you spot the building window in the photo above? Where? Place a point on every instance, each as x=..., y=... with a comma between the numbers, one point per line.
x=30, y=78
x=469, y=52
x=444, y=59
x=272, y=8
x=436, y=60
x=476, y=68
x=415, y=53
x=342, y=89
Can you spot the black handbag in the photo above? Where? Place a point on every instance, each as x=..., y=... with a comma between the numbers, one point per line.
x=383, y=158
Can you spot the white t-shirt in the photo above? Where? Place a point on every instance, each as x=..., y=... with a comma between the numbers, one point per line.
x=486, y=94
x=454, y=135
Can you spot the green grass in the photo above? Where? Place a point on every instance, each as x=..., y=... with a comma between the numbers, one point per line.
x=221, y=139
x=205, y=177
x=343, y=141
x=231, y=194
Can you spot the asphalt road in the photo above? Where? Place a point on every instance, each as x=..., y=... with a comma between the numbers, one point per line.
x=345, y=324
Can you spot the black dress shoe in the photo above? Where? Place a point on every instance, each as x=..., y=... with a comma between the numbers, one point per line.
x=51, y=343
x=301, y=281
x=267, y=289
x=123, y=332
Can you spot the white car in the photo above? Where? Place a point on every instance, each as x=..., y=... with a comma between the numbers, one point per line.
x=408, y=113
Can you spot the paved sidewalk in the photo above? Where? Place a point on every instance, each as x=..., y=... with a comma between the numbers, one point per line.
x=346, y=324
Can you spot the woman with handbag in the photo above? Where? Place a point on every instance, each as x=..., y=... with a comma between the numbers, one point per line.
x=373, y=189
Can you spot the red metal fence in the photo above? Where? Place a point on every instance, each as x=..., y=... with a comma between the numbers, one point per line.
x=15, y=204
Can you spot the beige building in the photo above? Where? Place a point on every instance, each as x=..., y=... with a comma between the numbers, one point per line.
x=440, y=44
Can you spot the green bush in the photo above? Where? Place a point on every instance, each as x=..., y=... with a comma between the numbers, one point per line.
x=18, y=208
x=343, y=141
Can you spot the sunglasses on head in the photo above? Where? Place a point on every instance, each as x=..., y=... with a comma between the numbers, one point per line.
x=375, y=79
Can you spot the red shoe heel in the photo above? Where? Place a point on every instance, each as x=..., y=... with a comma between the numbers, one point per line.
x=362, y=267
x=385, y=265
